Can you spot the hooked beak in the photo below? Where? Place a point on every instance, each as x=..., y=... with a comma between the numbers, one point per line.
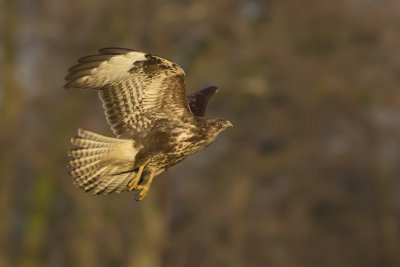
x=228, y=124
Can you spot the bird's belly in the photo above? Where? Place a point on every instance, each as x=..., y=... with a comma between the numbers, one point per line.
x=164, y=160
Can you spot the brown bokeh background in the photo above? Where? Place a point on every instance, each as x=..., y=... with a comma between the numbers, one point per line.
x=308, y=176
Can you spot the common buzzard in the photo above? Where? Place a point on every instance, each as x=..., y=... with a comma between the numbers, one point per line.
x=146, y=106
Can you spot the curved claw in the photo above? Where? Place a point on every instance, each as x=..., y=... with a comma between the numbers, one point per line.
x=145, y=188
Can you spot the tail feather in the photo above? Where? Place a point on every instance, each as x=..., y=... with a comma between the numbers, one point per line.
x=78, y=162
x=105, y=184
x=124, y=183
x=86, y=180
x=98, y=185
x=113, y=186
x=86, y=169
x=98, y=137
x=101, y=164
x=81, y=142
x=86, y=152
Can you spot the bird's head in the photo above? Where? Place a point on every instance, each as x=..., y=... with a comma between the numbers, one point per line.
x=210, y=128
x=224, y=123
x=218, y=125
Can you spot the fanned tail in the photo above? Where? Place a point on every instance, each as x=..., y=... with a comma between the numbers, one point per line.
x=101, y=164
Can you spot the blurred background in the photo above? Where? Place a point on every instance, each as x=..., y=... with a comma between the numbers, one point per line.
x=308, y=175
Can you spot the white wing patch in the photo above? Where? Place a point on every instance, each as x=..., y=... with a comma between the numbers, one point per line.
x=115, y=68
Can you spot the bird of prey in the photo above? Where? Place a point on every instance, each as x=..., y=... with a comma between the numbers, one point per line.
x=145, y=104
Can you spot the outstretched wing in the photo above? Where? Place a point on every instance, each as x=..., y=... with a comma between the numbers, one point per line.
x=198, y=100
x=137, y=89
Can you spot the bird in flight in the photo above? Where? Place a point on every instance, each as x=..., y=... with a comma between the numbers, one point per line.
x=155, y=123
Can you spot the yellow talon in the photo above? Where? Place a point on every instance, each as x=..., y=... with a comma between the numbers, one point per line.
x=133, y=183
x=145, y=188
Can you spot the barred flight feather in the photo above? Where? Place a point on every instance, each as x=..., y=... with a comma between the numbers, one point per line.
x=90, y=177
x=85, y=152
x=83, y=161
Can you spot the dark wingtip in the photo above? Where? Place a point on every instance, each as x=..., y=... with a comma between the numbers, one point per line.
x=198, y=100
